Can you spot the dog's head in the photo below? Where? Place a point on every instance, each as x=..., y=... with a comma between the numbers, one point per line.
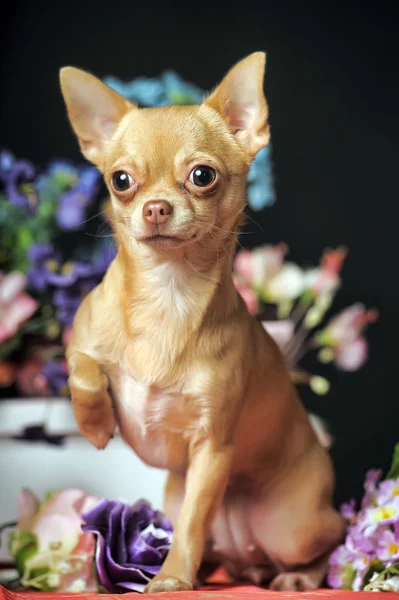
x=177, y=174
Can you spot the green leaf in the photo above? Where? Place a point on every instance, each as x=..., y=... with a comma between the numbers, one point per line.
x=377, y=568
x=9, y=346
x=394, y=470
x=23, y=545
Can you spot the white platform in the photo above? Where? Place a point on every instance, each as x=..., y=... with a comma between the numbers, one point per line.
x=114, y=473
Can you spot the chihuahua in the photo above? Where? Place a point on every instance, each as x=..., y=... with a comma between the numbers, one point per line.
x=165, y=349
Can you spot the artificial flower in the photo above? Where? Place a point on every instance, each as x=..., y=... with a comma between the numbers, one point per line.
x=16, y=306
x=132, y=542
x=343, y=335
x=56, y=374
x=73, y=204
x=369, y=557
x=281, y=330
x=17, y=176
x=43, y=259
x=30, y=379
x=286, y=284
x=49, y=548
x=258, y=266
x=388, y=547
x=325, y=279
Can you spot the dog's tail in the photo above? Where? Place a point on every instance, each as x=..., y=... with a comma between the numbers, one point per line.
x=320, y=428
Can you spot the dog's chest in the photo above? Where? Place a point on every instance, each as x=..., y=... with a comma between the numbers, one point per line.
x=154, y=422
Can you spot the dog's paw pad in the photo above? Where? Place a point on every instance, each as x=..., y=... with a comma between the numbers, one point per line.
x=167, y=584
x=293, y=582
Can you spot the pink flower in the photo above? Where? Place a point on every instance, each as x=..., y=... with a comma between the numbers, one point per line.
x=325, y=279
x=256, y=267
x=343, y=335
x=247, y=294
x=281, y=331
x=16, y=307
x=30, y=379
x=352, y=356
x=62, y=551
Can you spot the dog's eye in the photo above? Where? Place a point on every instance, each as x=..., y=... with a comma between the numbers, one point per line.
x=202, y=176
x=121, y=181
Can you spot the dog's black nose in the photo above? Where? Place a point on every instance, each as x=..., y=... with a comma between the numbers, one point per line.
x=157, y=211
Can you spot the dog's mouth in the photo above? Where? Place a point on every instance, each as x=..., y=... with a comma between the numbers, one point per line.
x=159, y=239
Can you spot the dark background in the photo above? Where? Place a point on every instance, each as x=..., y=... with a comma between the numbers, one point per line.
x=332, y=87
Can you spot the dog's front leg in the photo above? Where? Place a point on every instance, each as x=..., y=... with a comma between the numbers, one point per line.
x=91, y=401
x=205, y=485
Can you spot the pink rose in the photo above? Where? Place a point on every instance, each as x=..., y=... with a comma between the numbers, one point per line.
x=61, y=550
x=16, y=307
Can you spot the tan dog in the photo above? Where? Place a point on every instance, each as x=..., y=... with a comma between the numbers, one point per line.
x=165, y=348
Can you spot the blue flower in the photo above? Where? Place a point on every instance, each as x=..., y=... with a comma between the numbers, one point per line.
x=261, y=191
x=167, y=89
x=73, y=203
x=56, y=374
x=170, y=88
x=17, y=177
x=42, y=258
x=68, y=299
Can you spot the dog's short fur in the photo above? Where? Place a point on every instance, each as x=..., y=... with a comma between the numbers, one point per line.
x=165, y=348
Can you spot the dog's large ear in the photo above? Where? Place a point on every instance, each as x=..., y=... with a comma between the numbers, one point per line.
x=241, y=101
x=94, y=110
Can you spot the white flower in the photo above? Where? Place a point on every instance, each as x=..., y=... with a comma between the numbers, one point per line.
x=79, y=585
x=287, y=284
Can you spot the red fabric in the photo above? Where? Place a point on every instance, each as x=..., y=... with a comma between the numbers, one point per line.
x=214, y=592
x=218, y=588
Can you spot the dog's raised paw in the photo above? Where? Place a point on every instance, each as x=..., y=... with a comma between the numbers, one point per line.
x=167, y=584
x=293, y=582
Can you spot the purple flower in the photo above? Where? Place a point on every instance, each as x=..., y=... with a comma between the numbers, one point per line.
x=348, y=510
x=69, y=273
x=68, y=299
x=387, y=490
x=17, y=176
x=373, y=476
x=388, y=547
x=56, y=374
x=341, y=573
x=42, y=258
x=132, y=542
x=73, y=203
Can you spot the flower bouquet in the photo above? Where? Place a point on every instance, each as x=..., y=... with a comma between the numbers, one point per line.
x=369, y=558
x=299, y=300
x=73, y=542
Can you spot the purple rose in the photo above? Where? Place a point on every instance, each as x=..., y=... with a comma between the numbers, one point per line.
x=132, y=543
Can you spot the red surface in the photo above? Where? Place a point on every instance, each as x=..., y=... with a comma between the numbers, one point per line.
x=218, y=588
x=215, y=592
